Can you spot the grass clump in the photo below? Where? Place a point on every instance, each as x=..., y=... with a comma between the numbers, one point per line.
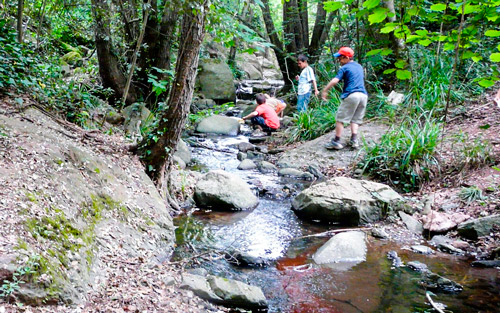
x=404, y=156
x=471, y=194
x=314, y=122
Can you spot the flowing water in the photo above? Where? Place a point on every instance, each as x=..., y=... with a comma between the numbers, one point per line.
x=292, y=283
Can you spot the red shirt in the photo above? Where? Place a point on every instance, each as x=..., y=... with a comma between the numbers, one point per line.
x=270, y=117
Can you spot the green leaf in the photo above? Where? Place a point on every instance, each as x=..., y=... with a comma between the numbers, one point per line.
x=378, y=16
x=468, y=54
x=400, y=63
x=492, y=33
x=486, y=83
x=412, y=38
x=386, y=52
x=495, y=57
x=389, y=71
x=422, y=32
x=388, y=28
x=448, y=46
x=373, y=52
x=332, y=6
x=438, y=7
x=403, y=74
x=477, y=58
x=424, y=42
x=485, y=126
x=370, y=4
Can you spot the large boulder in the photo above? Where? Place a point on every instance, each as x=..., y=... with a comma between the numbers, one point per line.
x=342, y=251
x=218, y=124
x=136, y=116
x=441, y=222
x=346, y=201
x=478, y=227
x=262, y=64
x=183, y=152
x=225, y=291
x=215, y=80
x=222, y=190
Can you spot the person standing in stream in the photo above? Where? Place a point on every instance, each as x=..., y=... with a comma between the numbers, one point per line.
x=306, y=79
x=354, y=98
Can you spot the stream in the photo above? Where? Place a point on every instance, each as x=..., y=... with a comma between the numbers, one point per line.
x=291, y=281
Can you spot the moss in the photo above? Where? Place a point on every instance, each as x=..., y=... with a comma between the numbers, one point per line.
x=31, y=197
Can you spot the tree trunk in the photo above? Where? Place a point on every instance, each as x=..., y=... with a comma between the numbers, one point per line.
x=320, y=31
x=109, y=65
x=397, y=44
x=158, y=155
x=20, y=10
x=304, y=23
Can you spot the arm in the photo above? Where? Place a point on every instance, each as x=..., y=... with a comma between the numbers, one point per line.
x=254, y=113
x=316, y=92
x=332, y=83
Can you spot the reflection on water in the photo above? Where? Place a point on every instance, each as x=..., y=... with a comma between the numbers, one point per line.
x=294, y=284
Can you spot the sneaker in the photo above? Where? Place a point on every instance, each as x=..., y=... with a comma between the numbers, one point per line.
x=334, y=145
x=354, y=143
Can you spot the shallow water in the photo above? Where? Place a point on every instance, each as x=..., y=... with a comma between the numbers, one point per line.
x=293, y=283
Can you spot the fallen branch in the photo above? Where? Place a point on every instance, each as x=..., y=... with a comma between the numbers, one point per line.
x=331, y=232
x=434, y=305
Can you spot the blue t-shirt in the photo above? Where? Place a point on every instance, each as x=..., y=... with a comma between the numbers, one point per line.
x=354, y=79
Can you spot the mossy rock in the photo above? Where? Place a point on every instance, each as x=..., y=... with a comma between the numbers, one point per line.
x=72, y=58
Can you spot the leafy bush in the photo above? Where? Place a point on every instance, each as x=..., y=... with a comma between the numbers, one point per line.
x=405, y=154
x=316, y=121
x=471, y=153
x=21, y=69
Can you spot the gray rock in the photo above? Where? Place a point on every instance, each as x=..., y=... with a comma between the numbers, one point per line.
x=241, y=156
x=411, y=223
x=247, y=260
x=222, y=190
x=245, y=146
x=276, y=150
x=262, y=149
x=378, y=232
x=422, y=249
x=236, y=293
x=257, y=139
x=433, y=281
x=449, y=206
x=291, y=172
x=169, y=281
x=179, y=162
x=114, y=117
x=417, y=266
x=342, y=251
x=202, y=104
x=439, y=239
x=200, y=271
x=218, y=124
x=136, y=116
x=347, y=201
x=448, y=248
x=478, y=227
x=255, y=155
x=315, y=171
x=200, y=286
x=215, y=80
x=266, y=167
x=247, y=164
x=183, y=152
x=486, y=263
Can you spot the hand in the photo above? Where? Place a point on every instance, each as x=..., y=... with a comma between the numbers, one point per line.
x=324, y=95
x=297, y=77
x=241, y=121
x=316, y=92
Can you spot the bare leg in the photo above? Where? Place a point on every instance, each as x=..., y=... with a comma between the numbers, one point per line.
x=339, y=128
x=354, y=129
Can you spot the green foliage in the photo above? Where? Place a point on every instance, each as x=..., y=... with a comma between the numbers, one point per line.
x=471, y=194
x=195, y=118
x=316, y=121
x=22, y=273
x=23, y=70
x=405, y=154
x=470, y=153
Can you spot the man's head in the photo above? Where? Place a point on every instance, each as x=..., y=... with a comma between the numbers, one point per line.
x=302, y=61
x=260, y=98
x=344, y=55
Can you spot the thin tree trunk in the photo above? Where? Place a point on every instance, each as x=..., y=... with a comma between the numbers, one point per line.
x=320, y=31
x=158, y=158
x=304, y=23
x=20, y=10
x=109, y=65
x=397, y=43
x=40, y=23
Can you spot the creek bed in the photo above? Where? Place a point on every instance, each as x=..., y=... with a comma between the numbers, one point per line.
x=292, y=283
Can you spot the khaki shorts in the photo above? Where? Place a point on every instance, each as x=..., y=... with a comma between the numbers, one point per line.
x=352, y=109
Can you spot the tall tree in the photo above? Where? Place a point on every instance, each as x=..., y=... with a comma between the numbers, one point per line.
x=158, y=153
x=20, y=10
x=295, y=38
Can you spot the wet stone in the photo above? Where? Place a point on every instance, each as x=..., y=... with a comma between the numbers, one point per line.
x=380, y=233
x=422, y=249
x=241, y=156
x=245, y=146
x=486, y=263
x=436, y=282
x=417, y=266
